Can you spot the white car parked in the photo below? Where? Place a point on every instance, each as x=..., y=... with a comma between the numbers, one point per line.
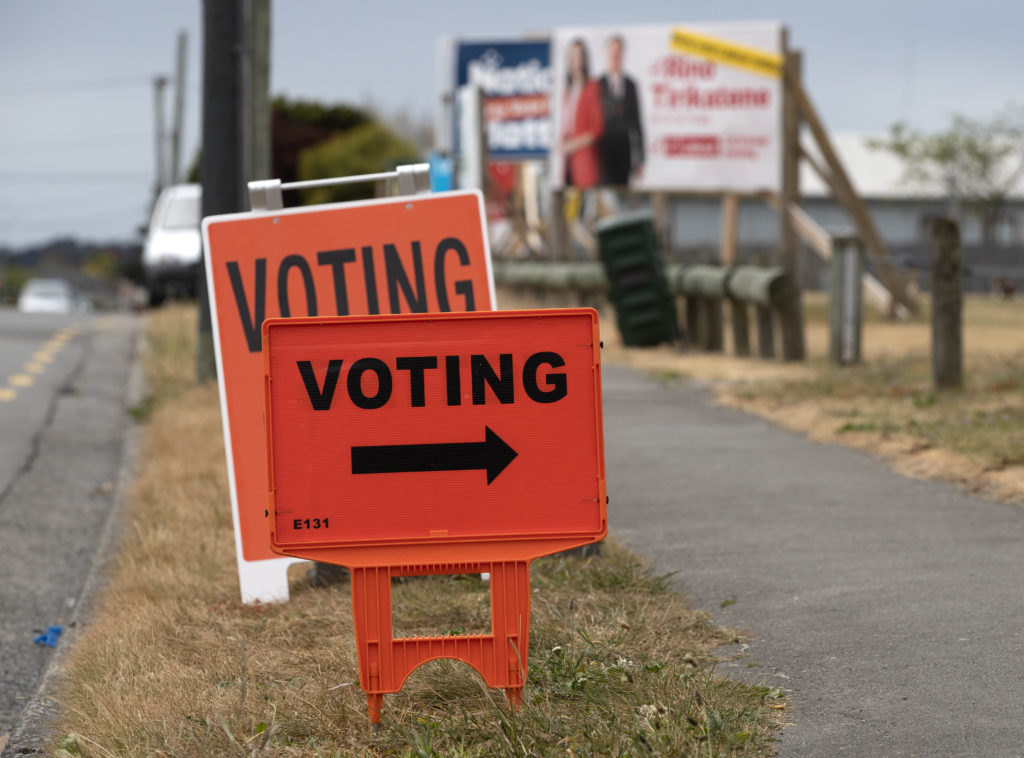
x=46, y=296
x=173, y=248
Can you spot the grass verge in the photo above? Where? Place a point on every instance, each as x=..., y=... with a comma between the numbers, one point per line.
x=173, y=664
x=973, y=437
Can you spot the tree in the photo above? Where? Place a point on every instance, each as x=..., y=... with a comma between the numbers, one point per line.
x=368, y=149
x=297, y=125
x=978, y=162
x=102, y=264
x=12, y=278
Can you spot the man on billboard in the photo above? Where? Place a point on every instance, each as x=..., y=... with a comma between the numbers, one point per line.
x=622, y=144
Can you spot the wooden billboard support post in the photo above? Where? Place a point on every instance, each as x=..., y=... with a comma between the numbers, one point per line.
x=765, y=332
x=659, y=208
x=730, y=228
x=740, y=328
x=727, y=257
x=792, y=314
x=836, y=178
x=558, y=232
x=738, y=309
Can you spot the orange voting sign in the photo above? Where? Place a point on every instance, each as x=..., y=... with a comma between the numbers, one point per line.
x=416, y=254
x=420, y=431
x=435, y=444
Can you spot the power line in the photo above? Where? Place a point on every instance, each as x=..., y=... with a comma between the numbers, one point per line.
x=43, y=177
x=32, y=193
x=60, y=143
x=65, y=212
x=77, y=85
x=131, y=216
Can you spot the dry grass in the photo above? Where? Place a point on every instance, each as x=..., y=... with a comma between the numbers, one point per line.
x=974, y=437
x=174, y=665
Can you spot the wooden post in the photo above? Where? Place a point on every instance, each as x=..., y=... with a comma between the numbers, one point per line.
x=694, y=328
x=558, y=232
x=846, y=300
x=947, y=305
x=730, y=224
x=765, y=332
x=714, y=340
x=659, y=207
x=791, y=310
x=740, y=328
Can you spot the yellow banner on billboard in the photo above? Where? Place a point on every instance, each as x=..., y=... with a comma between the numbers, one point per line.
x=728, y=53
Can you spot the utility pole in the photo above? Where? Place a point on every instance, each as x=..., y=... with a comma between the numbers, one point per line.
x=235, y=34
x=179, y=108
x=260, y=162
x=159, y=84
x=221, y=171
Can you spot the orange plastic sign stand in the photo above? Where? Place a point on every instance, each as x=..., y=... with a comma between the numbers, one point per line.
x=435, y=444
x=423, y=253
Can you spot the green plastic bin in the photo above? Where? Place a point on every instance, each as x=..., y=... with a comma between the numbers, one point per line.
x=637, y=287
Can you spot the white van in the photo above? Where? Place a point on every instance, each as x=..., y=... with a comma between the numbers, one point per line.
x=174, y=247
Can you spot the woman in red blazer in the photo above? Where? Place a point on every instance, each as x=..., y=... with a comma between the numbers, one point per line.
x=582, y=121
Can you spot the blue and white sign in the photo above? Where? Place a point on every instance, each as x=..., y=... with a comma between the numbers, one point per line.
x=515, y=79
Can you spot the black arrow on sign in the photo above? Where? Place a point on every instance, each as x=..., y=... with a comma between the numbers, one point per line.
x=493, y=455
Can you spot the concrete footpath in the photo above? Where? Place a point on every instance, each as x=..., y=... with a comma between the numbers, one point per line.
x=891, y=608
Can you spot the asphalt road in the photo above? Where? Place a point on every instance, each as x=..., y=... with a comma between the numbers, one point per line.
x=892, y=608
x=62, y=422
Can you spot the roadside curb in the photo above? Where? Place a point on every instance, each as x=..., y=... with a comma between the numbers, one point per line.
x=34, y=729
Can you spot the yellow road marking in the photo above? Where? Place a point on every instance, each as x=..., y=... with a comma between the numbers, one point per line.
x=7, y=394
x=42, y=356
x=20, y=380
x=35, y=368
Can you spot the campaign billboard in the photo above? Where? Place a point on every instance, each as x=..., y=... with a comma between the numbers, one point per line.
x=515, y=80
x=674, y=107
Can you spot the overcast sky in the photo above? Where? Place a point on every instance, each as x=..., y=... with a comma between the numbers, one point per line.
x=76, y=102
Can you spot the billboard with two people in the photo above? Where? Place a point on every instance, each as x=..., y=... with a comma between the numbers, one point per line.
x=669, y=107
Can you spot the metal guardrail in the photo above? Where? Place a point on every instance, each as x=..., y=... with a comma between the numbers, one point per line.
x=754, y=284
x=706, y=289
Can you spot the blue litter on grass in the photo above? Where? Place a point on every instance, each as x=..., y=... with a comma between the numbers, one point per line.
x=49, y=637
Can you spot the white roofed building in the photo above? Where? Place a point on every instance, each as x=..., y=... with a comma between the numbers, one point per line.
x=901, y=211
